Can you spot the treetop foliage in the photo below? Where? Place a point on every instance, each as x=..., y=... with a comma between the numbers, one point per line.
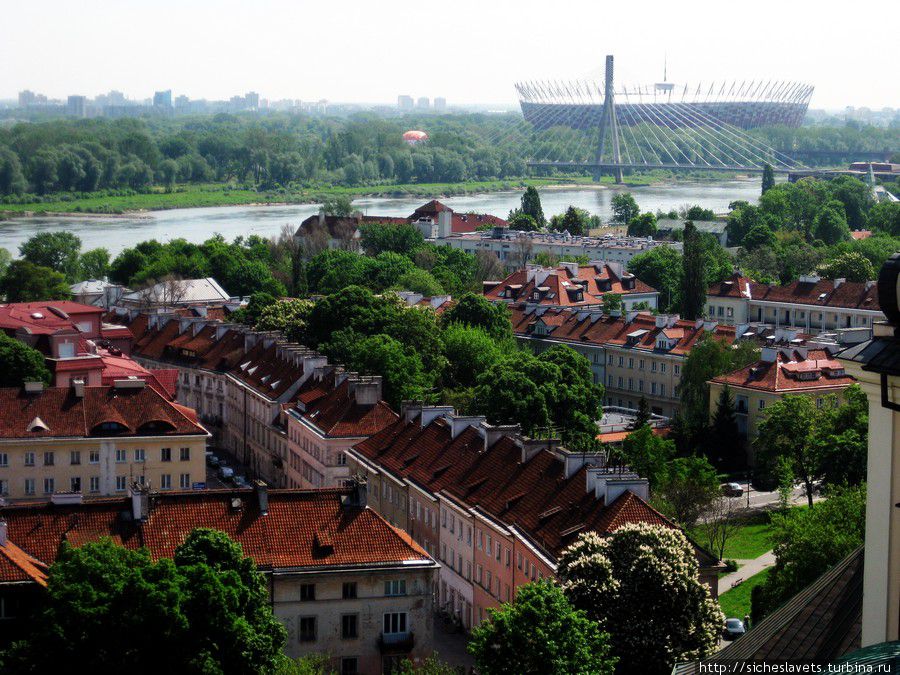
x=111, y=609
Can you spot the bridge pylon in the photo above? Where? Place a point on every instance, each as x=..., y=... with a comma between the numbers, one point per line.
x=608, y=124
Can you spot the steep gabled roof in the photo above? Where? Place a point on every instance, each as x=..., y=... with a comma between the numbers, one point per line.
x=337, y=414
x=285, y=537
x=792, y=372
x=567, y=285
x=804, y=291
x=16, y=566
x=66, y=415
x=534, y=496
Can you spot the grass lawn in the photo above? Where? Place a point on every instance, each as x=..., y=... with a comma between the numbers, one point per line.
x=735, y=603
x=750, y=537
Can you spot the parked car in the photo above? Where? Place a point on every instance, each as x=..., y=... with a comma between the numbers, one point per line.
x=732, y=490
x=240, y=481
x=211, y=459
x=734, y=628
x=226, y=472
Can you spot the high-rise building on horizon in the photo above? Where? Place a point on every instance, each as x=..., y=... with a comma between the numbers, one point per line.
x=423, y=103
x=440, y=103
x=26, y=98
x=162, y=99
x=405, y=102
x=76, y=106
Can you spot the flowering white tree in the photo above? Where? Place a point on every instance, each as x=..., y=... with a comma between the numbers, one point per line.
x=641, y=585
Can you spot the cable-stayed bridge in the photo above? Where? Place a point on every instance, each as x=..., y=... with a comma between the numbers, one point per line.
x=661, y=126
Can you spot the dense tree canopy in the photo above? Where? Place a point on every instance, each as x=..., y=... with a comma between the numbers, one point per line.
x=20, y=363
x=808, y=542
x=270, y=151
x=26, y=282
x=640, y=585
x=111, y=609
x=540, y=633
x=554, y=389
x=818, y=438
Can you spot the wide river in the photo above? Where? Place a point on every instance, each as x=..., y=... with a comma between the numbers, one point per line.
x=196, y=225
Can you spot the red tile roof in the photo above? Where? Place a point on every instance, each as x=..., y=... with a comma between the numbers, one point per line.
x=570, y=325
x=337, y=414
x=67, y=415
x=16, y=566
x=534, y=496
x=290, y=535
x=788, y=373
x=560, y=287
x=44, y=317
x=814, y=291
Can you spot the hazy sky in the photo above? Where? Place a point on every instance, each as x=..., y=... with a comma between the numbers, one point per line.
x=468, y=51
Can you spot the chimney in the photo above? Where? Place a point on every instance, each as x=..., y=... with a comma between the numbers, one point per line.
x=78, y=388
x=4, y=532
x=64, y=498
x=432, y=412
x=34, y=387
x=367, y=391
x=459, y=423
x=140, y=502
x=493, y=432
x=839, y=282
x=409, y=410
x=616, y=487
x=532, y=446
x=572, y=268
x=321, y=216
x=131, y=382
x=358, y=495
x=445, y=224
x=262, y=496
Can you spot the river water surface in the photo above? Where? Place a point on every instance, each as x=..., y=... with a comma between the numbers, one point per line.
x=199, y=224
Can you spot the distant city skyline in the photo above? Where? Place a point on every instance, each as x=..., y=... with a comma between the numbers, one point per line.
x=476, y=51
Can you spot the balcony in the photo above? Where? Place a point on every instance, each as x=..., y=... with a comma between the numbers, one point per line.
x=396, y=643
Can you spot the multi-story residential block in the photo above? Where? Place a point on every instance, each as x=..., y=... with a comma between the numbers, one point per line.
x=804, y=368
x=634, y=356
x=278, y=407
x=572, y=285
x=76, y=343
x=341, y=580
x=334, y=411
x=811, y=304
x=514, y=248
x=96, y=440
x=496, y=508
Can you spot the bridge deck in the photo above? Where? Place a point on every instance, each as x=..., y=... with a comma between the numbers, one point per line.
x=675, y=167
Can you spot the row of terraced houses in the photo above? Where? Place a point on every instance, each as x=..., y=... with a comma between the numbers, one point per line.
x=301, y=422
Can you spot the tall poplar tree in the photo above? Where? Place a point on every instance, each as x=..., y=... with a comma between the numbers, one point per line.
x=768, y=178
x=693, y=278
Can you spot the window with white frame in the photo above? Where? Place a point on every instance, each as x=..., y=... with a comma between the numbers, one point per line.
x=395, y=587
